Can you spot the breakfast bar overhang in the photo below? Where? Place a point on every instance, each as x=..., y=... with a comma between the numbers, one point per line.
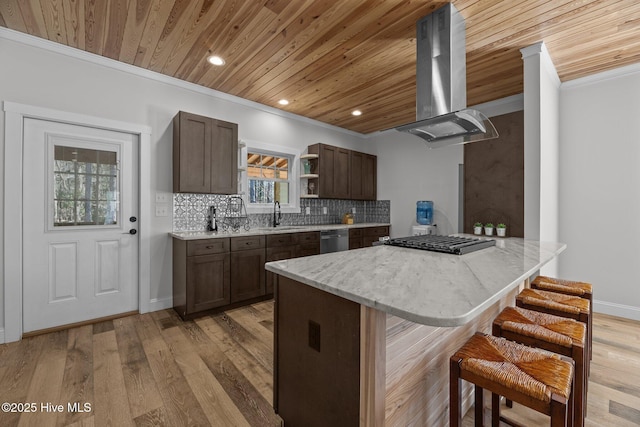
x=363, y=338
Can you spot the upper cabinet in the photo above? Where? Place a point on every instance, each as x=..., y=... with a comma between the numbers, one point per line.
x=343, y=173
x=363, y=175
x=205, y=155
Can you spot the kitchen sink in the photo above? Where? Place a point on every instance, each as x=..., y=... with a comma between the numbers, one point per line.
x=278, y=228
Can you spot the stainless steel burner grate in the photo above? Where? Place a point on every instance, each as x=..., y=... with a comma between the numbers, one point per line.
x=447, y=244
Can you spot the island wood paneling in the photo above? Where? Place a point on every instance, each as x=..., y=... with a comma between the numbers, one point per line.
x=329, y=58
x=494, y=177
x=417, y=366
x=317, y=357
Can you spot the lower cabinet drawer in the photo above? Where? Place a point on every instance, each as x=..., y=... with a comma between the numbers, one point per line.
x=249, y=242
x=282, y=252
x=356, y=232
x=377, y=231
x=207, y=246
x=308, y=249
x=309, y=237
x=287, y=239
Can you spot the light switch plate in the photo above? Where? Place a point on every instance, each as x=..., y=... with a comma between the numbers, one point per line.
x=162, y=210
x=324, y=210
x=162, y=197
x=307, y=210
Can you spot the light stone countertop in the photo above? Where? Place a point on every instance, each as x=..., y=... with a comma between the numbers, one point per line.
x=425, y=287
x=196, y=235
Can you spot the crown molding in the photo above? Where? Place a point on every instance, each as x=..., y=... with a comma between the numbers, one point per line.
x=37, y=42
x=616, y=73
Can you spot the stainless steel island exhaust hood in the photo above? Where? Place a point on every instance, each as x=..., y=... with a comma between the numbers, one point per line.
x=441, y=76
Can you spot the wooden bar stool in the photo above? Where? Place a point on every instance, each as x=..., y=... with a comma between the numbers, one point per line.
x=568, y=287
x=561, y=305
x=538, y=379
x=553, y=333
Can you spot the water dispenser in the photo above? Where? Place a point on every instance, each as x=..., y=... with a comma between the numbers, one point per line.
x=424, y=212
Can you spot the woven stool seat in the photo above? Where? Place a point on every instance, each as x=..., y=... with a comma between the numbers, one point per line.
x=555, y=301
x=539, y=379
x=543, y=326
x=553, y=333
x=568, y=287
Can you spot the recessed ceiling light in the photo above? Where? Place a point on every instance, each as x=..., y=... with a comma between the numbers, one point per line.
x=356, y=112
x=283, y=102
x=216, y=60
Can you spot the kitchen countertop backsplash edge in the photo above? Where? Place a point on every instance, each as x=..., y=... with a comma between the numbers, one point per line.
x=198, y=235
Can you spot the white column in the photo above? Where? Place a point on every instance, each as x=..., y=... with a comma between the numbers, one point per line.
x=541, y=147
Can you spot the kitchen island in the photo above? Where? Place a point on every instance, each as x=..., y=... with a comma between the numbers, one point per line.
x=363, y=337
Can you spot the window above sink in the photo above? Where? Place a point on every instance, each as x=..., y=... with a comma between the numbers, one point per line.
x=269, y=174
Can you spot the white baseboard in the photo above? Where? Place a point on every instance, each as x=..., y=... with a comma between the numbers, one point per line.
x=620, y=310
x=1, y=335
x=157, y=304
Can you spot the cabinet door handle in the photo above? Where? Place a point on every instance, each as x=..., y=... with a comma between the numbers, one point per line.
x=209, y=247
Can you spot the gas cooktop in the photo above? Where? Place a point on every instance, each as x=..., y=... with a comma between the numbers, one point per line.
x=447, y=244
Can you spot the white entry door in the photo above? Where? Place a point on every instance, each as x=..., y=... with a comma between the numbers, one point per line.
x=80, y=203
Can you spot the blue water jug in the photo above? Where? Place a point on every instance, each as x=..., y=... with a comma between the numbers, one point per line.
x=424, y=212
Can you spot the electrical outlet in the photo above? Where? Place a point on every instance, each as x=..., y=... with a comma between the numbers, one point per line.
x=307, y=210
x=314, y=335
x=162, y=210
x=162, y=197
x=353, y=211
x=325, y=210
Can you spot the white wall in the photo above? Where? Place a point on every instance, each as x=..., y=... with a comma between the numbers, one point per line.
x=409, y=171
x=600, y=187
x=45, y=78
x=541, y=148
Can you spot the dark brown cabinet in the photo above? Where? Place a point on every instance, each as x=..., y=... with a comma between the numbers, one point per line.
x=277, y=254
x=217, y=273
x=355, y=238
x=201, y=275
x=333, y=171
x=247, y=267
x=365, y=236
x=223, y=273
x=308, y=244
x=287, y=246
x=362, y=173
x=343, y=173
x=370, y=177
x=372, y=234
x=205, y=155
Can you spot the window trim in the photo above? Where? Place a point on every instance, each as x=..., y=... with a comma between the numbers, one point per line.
x=294, y=175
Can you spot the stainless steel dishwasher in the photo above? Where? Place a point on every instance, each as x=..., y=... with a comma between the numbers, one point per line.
x=334, y=241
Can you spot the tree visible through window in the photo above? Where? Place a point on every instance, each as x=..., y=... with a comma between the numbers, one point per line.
x=268, y=178
x=85, y=187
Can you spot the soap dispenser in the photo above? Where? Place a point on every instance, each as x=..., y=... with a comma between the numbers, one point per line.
x=212, y=224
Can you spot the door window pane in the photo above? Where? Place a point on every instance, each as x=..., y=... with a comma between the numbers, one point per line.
x=86, y=187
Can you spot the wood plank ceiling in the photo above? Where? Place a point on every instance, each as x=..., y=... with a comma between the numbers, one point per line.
x=329, y=57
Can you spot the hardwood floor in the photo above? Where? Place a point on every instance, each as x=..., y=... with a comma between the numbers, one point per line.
x=155, y=369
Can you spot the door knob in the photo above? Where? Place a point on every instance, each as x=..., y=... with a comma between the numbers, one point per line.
x=132, y=231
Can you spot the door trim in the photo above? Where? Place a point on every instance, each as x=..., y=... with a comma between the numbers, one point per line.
x=13, y=158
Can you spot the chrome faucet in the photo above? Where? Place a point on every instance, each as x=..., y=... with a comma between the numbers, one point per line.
x=278, y=217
